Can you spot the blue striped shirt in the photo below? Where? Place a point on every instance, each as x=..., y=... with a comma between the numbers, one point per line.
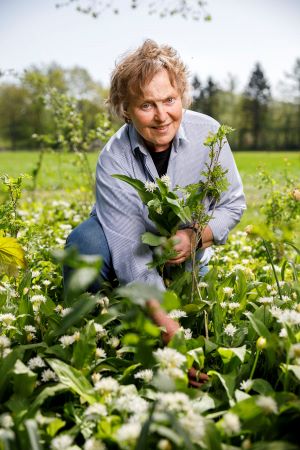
x=124, y=217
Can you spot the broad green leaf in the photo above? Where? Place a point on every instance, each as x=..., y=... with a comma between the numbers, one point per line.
x=293, y=368
x=228, y=353
x=142, y=441
x=6, y=367
x=139, y=293
x=80, y=309
x=258, y=326
x=212, y=437
x=12, y=256
x=84, y=349
x=33, y=434
x=55, y=426
x=274, y=445
x=24, y=379
x=170, y=301
x=137, y=185
x=49, y=391
x=227, y=381
x=73, y=379
x=262, y=386
x=198, y=356
x=153, y=239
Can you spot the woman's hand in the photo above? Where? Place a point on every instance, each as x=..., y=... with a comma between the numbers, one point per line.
x=184, y=247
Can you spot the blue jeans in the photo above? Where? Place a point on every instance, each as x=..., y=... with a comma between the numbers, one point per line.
x=89, y=239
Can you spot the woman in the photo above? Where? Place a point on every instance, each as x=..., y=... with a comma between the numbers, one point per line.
x=149, y=91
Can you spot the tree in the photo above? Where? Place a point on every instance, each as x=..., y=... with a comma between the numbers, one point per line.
x=256, y=98
x=205, y=99
x=294, y=77
x=194, y=9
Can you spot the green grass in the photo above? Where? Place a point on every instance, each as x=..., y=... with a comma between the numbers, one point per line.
x=63, y=172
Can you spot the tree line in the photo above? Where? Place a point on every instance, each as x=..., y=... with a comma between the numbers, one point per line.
x=260, y=121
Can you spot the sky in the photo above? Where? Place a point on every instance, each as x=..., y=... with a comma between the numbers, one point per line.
x=241, y=33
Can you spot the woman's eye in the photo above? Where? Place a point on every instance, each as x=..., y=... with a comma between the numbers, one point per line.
x=146, y=106
x=171, y=100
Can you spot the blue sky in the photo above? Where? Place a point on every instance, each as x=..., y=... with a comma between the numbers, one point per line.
x=241, y=33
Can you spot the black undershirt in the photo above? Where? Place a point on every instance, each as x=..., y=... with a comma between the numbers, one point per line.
x=161, y=161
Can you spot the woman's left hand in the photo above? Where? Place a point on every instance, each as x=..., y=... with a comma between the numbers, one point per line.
x=184, y=247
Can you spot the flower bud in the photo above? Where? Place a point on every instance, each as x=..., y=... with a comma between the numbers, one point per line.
x=261, y=343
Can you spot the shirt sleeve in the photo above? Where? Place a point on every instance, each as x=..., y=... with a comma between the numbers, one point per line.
x=119, y=210
x=228, y=211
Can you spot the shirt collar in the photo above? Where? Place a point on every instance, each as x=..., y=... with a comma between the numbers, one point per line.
x=137, y=142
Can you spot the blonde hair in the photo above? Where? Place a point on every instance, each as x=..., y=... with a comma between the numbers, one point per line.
x=137, y=68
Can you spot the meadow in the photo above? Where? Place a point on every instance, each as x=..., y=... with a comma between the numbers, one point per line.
x=92, y=372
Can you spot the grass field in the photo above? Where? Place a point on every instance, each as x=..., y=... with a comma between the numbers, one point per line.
x=61, y=172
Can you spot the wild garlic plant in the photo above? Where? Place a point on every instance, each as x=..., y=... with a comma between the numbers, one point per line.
x=184, y=206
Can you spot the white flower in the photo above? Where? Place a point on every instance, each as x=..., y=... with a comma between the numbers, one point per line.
x=131, y=403
x=7, y=318
x=194, y=424
x=283, y=333
x=61, y=442
x=246, y=385
x=230, y=330
x=231, y=423
x=188, y=334
x=265, y=300
x=294, y=351
x=233, y=305
x=286, y=316
x=36, y=301
x=93, y=444
x=173, y=402
x=100, y=353
x=65, y=311
x=36, y=287
x=267, y=404
x=202, y=284
x=168, y=357
x=145, y=375
x=150, y=186
x=129, y=432
x=96, y=409
x=48, y=375
x=166, y=180
x=114, y=341
x=33, y=363
x=6, y=421
x=103, y=302
x=66, y=341
x=35, y=273
x=223, y=305
x=100, y=330
x=46, y=283
x=228, y=291
x=4, y=341
x=177, y=314
x=30, y=329
x=106, y=385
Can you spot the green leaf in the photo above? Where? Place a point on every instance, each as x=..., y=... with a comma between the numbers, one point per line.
x=80, y=309
x=6, y=367
x=24, y=379
x=262, y=386
x=153, y=239
x=228, y=353
x=139, y=293
x=49, y=391
x=293, y=368
x=227, y=381
x=12, y=256
x=73, y=379
x=84, y=349
x=137, y=185
x=32, y=430
x=55, y=426
x=170, y=301
x=258, y=326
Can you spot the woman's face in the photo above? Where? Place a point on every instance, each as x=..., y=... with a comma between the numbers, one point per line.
x=157, y=113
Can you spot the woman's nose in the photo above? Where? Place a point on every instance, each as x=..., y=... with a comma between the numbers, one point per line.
x=160, y=113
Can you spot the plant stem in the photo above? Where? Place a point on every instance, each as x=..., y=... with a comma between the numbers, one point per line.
x=274, y=271
x=254, y=364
